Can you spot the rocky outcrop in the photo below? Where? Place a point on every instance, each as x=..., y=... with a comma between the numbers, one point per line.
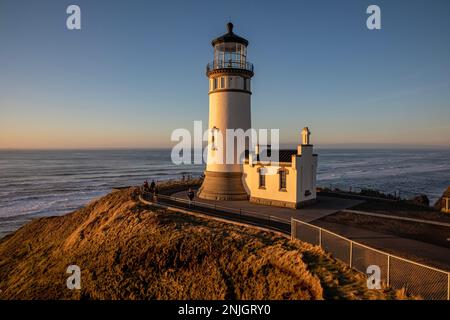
x=420, y=200
x=440, y=204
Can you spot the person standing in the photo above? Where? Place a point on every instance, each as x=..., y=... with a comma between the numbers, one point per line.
x=145, y=189
x=155, y=193
x=152, y=186
x=190, y=195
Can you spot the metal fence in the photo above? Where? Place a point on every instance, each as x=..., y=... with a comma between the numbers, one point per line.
x=417, y=279
x=263, y=219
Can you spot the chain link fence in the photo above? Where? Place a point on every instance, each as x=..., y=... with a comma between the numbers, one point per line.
x=417, y=279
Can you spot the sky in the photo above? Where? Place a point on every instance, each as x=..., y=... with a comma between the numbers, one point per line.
x=136, y=71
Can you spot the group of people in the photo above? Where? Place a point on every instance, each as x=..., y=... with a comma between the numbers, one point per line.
x=186, y=177
x=152, y=188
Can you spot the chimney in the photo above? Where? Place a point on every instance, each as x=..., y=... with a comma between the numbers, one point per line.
x=305, y=136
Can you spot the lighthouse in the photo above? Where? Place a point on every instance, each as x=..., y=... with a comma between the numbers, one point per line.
x=229, y=77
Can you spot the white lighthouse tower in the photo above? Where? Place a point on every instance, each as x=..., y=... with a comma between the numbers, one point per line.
x=229, y=108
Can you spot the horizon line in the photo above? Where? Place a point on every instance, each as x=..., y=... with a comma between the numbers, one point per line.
x=282, y=146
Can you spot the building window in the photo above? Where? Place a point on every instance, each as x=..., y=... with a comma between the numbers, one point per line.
x=215, y=84
x=282, y=174
x=262, y=179
x=222, y=82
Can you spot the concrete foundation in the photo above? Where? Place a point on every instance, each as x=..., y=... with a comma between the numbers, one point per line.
x=222, y=186
x=279, y=203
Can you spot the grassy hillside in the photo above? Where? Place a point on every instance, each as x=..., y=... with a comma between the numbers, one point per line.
x=128, y=251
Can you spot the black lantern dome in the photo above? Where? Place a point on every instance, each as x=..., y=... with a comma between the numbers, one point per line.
x=229, y=37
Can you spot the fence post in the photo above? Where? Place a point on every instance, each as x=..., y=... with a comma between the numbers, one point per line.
x=351, y=253
x=388, y=276
x=320, y=237
x=294, y=236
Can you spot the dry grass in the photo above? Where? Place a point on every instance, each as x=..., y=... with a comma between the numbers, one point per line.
x=128, y=251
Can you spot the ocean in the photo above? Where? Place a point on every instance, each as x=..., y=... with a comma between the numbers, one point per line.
x=54, y=182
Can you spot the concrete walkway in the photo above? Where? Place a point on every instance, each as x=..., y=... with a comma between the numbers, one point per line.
x=323, y=207
x=427, y=253
x=388, y=216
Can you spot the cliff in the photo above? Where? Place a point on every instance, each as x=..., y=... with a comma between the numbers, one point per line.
x=126, y=250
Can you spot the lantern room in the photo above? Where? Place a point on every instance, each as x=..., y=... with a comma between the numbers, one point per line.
x=230, y=52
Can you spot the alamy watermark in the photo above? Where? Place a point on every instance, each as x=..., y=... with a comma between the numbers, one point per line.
x=373, y=22
x=373, y=277
x=73, y=21
x=74, y=281
x=233, y=146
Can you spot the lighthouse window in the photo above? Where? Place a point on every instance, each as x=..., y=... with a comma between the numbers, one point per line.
x=214, y=133
x=245, y=84
x=222, y=82
x=215, y=84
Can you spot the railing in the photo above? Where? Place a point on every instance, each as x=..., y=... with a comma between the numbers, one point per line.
x=398, y=273
x=215, y=65
x=258, y=218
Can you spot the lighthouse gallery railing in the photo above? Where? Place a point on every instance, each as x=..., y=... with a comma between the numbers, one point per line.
x=215, y=65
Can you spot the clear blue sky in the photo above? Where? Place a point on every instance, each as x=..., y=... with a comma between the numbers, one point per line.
x=136, y=70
